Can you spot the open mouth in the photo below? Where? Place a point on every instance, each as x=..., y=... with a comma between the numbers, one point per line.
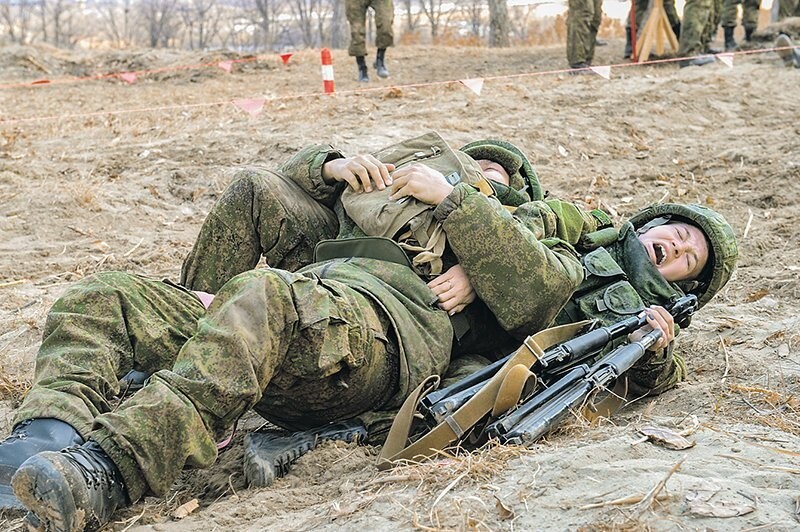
x=660, y=254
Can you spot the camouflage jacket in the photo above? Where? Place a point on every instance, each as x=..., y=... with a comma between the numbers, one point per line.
x=522, y=279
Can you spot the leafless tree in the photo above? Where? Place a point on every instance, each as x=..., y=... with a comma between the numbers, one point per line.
x=433, y=12
x=17, y=17
x=117, y=17
x=498, y=23
x=158, y=17
x=200, y=22
x=58, y=15
x=306, y=13
x=472, y=10
x=412, y=19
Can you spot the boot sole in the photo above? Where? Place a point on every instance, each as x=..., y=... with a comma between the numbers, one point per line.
x=43, y=490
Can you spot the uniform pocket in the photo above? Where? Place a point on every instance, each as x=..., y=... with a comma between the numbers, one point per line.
x=611, y=303
x=332, y=333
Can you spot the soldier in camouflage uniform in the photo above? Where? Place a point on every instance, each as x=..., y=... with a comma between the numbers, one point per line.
x=328, y=342
x=356, y=11
x=788, y=8
x=699, y=21
x=729, y=18
x=583, y=21
x=323, y=350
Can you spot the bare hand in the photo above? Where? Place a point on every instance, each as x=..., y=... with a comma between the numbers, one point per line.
x=360, y=172
x=453, y=289
x=657, y=318
x=422, y=182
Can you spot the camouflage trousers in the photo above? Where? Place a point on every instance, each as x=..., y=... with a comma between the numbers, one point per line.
x=642, y=11
x=730, y=13
x=583, y=21
x=260, y=213
x=299, y=353
x=356, y=11
x=698, y=23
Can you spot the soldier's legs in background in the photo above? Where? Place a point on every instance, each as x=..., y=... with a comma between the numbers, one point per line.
x=579, y=19
x=672, y=15
x=264, y=325
x=260, y=213
x=597, y=18
x=384, y=18
x=101, y=328
x=750, y=9
x=356, y=12
x=696, y=17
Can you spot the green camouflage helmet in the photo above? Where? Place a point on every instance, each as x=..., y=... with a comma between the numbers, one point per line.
x=519, y=168
x=723, y=253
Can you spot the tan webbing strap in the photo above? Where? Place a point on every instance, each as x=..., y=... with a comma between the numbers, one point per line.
x=610, y=403
x=458, y=423
x=511, y=389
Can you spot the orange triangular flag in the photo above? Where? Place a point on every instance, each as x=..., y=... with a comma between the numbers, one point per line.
x=251, y=106
x=727, y=59
x=285, y=57
x=473, y=84
x=602, y=71
x=225, y=65
x=128, y=77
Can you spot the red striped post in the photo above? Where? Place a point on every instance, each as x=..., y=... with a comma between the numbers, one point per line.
x=327, y=71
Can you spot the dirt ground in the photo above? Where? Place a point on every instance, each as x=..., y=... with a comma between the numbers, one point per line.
x=100, y=175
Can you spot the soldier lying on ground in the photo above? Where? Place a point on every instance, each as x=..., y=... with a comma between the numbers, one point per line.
x=331, y=341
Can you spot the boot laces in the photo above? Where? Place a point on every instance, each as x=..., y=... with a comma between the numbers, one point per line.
x=96, y=469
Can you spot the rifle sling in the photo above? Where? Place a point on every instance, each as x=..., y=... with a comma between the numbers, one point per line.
x=458, y=423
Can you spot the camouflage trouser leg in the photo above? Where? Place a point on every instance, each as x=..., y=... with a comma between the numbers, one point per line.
x=384, y=18
x=100, y=329
x=268, y=333
x=580, y=40
x=597, y=18
x=356, y=12
x=750, y=9
x=261, y=213
x=730, y=13
x=696, y=18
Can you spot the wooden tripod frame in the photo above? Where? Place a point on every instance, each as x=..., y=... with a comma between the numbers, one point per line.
x=656, y=31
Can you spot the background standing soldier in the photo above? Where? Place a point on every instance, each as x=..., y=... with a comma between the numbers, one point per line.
x=698, y=19
x=583, y=21
x=749, y=20
x=642, y=12
x=384, y=38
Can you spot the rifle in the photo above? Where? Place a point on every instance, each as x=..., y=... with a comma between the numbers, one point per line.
x=498, y=402
x=437, y=405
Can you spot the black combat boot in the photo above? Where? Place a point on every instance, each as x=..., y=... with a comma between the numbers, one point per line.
x=628, y=45
x=76, y=489
x=380, y=64
x=748, y=33
x=363, y=75
x=730, y=42
x=28, y=438
x=268, y=456
x=676, y=29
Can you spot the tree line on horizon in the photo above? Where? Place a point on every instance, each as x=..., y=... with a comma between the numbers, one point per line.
x=252, y=25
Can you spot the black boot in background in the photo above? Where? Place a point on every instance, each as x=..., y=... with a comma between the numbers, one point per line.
x=78, y=488
x=730, y=42
x=676, y=29
x=28, y=438
x=380, y=65
x=748, y=33
x=363, y=75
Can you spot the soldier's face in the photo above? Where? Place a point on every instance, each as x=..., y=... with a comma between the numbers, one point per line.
x=493, y=171
x=678, y=250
